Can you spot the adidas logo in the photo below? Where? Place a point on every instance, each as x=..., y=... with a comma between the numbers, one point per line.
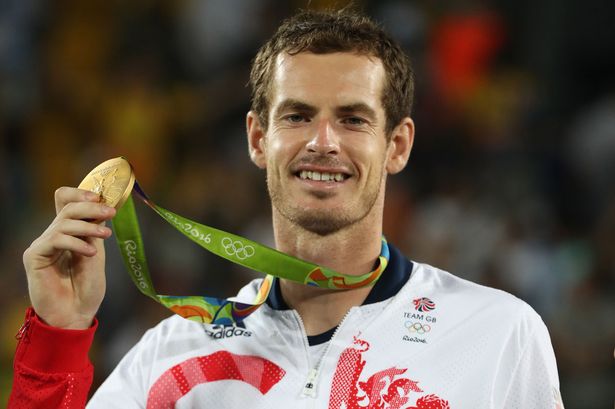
x=219, y=332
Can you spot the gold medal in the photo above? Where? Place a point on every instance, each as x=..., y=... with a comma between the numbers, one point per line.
x=112, y=180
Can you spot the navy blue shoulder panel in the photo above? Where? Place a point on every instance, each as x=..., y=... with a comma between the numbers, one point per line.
x=393, y=279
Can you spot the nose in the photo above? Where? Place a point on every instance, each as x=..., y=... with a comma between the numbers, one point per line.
x=325, y=141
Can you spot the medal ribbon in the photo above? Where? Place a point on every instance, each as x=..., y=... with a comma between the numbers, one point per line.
x=233, y=248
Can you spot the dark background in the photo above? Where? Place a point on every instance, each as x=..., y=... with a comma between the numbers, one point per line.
x=510, y=183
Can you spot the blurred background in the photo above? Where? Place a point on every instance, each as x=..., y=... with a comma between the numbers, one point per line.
x=510, y=183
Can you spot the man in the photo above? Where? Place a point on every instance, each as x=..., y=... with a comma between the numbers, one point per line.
x=330, y=121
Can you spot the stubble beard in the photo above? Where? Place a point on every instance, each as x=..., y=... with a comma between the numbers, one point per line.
x=322, y=222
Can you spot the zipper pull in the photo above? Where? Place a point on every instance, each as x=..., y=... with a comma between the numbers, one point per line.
x=309, y=390
x=23, y=330
x=25, y=327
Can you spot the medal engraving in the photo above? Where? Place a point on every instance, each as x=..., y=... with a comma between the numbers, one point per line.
x=112, y=180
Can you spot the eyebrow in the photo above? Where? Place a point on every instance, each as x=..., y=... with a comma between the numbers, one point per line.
x=295, y=105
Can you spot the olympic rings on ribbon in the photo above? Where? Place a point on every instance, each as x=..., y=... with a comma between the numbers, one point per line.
x=417, y=327
x=237, y=249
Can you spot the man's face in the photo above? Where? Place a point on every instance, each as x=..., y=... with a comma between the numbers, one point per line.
x=325, y=149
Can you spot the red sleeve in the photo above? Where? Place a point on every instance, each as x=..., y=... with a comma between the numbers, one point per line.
x=51, y=368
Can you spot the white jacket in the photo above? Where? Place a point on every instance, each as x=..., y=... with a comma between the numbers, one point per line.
x=440, y=342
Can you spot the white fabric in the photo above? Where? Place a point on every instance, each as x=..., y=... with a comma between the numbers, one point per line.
x=484, y=349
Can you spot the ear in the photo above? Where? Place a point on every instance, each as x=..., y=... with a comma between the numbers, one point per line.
x=256, y=140
x=400, y=146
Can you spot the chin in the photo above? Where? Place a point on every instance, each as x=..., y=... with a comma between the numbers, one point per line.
x=322, y=194
x=320, y=212
x=322, y=222
x=322, y=227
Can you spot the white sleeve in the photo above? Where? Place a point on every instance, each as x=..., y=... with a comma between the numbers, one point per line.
x=125, y=387
x=534, y=381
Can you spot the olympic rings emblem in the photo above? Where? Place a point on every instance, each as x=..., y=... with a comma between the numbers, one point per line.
x=237, y=248
x=417, y=327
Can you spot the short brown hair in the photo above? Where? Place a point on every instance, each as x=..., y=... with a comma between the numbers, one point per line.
x=323, y=32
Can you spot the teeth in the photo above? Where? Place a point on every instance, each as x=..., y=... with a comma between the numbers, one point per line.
x=321, y=176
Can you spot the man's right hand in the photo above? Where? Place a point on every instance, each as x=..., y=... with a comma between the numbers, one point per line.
x=65, y=266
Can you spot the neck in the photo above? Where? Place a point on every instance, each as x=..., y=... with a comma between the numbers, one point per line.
x=352, y=250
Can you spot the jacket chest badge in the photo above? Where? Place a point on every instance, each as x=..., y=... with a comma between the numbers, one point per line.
x=419, y=322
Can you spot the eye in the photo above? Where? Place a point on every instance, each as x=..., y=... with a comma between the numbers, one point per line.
x=354, y=121
x=295, y=118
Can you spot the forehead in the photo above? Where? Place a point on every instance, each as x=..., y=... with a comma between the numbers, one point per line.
x=334, y=78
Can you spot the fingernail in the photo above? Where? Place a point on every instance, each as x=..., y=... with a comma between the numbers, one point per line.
x=103, y=230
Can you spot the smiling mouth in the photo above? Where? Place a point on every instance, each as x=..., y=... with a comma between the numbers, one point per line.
x=322, y=176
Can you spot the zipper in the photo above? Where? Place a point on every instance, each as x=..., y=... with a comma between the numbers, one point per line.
x=22, y=331
x=309, y=387
x=25, y=327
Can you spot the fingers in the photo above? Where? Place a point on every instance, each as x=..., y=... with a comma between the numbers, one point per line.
x=66, y=195
x=86, y=211
x=70, y=234
x=76, y=227
x=56, y=242
x=67, y=234
x=80, y=228
x=74, y=203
